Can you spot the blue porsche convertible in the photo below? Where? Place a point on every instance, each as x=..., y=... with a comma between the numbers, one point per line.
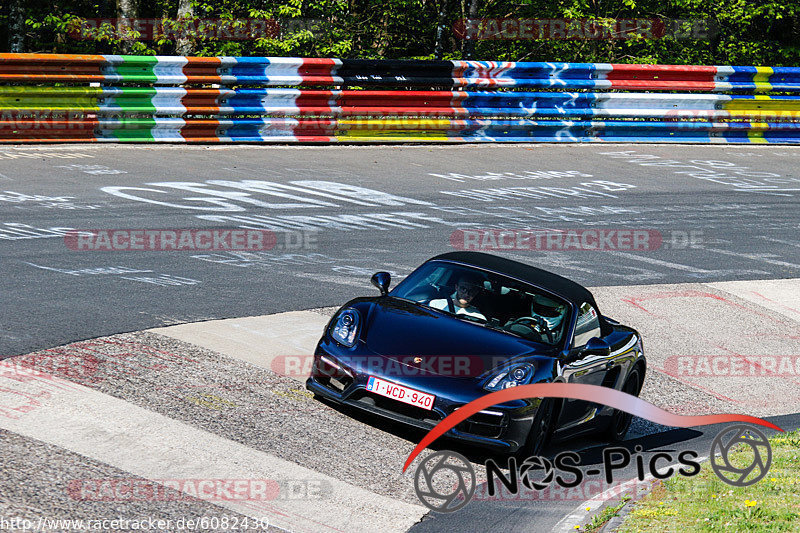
x=464, y=324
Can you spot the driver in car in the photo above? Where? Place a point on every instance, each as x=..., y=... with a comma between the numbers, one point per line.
x=459, y=303
x=545, y=319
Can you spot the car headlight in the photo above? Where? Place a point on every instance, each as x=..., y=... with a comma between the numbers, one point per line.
x=345, y=330
x=511, y=376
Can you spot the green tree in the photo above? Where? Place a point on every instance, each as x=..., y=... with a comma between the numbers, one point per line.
x=755, y=32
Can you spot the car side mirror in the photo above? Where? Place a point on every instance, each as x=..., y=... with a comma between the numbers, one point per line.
x=382, y=280
x=596, y=346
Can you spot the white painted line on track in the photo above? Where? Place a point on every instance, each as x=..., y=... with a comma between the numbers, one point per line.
x=338, y=280
x=681, y=267
x=156, y=447
x=659, y=262
x=754, y=257
x=781, y=241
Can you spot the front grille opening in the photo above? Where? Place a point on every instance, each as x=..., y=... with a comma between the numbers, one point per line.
x=335, y=379
x=484, y=424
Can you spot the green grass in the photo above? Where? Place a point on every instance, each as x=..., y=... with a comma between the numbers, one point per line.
x=705, y=503
x=605, y=515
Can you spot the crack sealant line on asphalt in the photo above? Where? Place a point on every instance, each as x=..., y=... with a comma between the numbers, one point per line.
x=152, y=446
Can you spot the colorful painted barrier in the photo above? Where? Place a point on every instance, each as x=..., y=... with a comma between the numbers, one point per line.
x=166, y=101
x=277, y=71
x=283, y=130
x=46, y=97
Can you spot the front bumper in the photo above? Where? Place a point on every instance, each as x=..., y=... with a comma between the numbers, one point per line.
x=501, y=428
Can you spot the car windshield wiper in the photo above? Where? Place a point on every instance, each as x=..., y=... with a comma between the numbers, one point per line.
x=470, y=318
x=487, y=324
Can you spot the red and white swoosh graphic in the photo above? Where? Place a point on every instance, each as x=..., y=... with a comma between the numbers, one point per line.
x=576, y=391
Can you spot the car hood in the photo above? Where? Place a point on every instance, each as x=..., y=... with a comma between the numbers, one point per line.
x=400, y=329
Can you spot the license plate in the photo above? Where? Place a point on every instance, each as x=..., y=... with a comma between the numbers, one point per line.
x=400, y=393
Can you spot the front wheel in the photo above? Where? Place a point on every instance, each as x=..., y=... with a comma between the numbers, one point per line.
x=541, y=430
x=620, y=420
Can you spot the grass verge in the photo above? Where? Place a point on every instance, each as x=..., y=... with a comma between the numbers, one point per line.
x=608, y=512
x=706, y=503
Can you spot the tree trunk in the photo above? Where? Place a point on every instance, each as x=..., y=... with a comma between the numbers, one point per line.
x=16, y=27
x=127, y=12
x=184, y=45
x=440, y=29
x=382, y=42
x=469, y=45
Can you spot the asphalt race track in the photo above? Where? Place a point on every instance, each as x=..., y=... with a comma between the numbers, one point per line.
x=714, y=275
x=747, y=219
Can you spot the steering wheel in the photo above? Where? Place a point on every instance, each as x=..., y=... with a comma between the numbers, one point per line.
x=537, y=324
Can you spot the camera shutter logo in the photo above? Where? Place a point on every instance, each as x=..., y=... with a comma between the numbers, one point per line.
x=726, y=441
x=536, y=463
x=445, y=481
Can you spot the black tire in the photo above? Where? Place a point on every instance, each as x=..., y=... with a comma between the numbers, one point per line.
x=620, y=420
x=541, y=430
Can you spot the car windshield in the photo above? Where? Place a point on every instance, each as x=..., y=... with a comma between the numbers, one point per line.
x=486, y=298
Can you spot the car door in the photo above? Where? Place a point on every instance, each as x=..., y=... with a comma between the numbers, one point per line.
x=590, y=369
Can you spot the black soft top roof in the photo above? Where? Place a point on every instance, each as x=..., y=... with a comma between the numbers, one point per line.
x=559, y=285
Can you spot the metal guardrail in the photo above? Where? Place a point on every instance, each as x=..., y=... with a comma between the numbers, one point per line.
x=45, y=97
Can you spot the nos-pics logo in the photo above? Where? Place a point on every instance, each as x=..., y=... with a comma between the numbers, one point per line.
x=445, y=481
